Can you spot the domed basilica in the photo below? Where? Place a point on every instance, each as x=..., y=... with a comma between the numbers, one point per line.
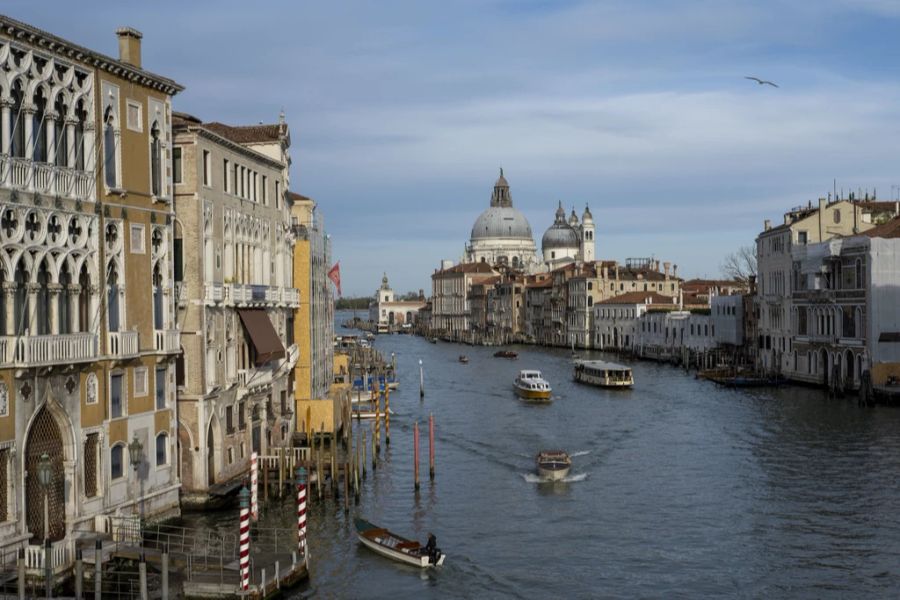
x=502, y=236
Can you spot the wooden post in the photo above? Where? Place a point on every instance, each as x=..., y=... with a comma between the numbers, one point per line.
x=347, y=487
x=98, y=570
x=377, y=432
x=334, y=474
x=431, y=447
x=319, y=475
x=142, y=577
x=79, y=575
x=421, y=380
x=387, y=414
x=280, y=471
x=365, y=450
x=164, y=566
x=374, y=456
x=21, y=575
x=416, y=454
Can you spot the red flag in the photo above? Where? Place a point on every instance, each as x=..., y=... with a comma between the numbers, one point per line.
x=335, y=276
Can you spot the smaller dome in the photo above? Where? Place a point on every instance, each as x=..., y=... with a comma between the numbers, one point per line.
x=587, y=216
x=560, y=234
x=573, y=218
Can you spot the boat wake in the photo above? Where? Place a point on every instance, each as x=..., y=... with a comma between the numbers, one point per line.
x=533, y=478
x=580, y=453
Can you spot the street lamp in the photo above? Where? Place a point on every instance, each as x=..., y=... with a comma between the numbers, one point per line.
x=45, y=478
x=136, y=454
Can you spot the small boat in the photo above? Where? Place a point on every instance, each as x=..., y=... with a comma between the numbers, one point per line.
x=603, y=374
x=530, y=385
x=433, y=340
x=398, y=548
x=553, y=464
x=505, y=354
x=463, y=358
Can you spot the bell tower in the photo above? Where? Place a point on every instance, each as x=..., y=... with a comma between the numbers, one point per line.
x=587, y=235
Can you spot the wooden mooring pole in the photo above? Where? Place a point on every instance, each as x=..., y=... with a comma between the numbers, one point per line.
x=431, y=447
x=416, y=454
x=365, y=451
x=387, y=414
x=421, y=381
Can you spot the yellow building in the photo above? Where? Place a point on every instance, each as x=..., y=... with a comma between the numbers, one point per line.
x=313, y=321
x=87, y=336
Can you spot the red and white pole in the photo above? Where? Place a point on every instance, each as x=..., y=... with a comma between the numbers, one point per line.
x=245, y=539
x=416, y=453
x=431, y=447
x=254, y=486
x=301, y=511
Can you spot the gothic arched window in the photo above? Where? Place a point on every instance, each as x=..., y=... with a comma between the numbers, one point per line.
x=61, y=133
x=155, y=170
x=38, y=132
x=109, y=150
x=16, y=123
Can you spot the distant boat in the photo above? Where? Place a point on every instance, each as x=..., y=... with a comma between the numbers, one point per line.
x=530, y=385
x=398, y=548
x=433, y=340
x=463, y=358
x=553, y=464
x=603, y=374
x=505, y=354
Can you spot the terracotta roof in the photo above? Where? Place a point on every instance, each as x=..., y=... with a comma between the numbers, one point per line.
x=639, y=298
x=246, y=134
x=295, y=197
x=878, y=204
x=891, y=229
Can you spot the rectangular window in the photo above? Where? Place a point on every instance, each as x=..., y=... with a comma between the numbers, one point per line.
x=242, y=419
x=265, y=190
x=236, y=181
x=160, y=388
x=244, y=182
x=207, y=168
x=255, y=187
x=140, y=381
x=135, y=118
x=230, y=455
x=277, y=194
x=283, y=402
x=115, y=396
x=176, y=166
x=137, y=238
x=161, y=454
x=4, y=485
x=226, y=172
x=229, y=419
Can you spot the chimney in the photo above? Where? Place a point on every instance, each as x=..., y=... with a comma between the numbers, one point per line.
x=674, y=270
x=666, y=266
x=767, y=225
x=130, y=46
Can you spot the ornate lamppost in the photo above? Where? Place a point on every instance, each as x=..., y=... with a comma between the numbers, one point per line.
x=136, y=454
x=45, y=478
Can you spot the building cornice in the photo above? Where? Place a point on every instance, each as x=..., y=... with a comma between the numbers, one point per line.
x=18, y=31
x=201, y=131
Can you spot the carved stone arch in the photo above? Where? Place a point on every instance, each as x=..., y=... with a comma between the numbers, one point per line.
x=49, y=430
x=36, y=85
x=5, y=54
x=59, y=92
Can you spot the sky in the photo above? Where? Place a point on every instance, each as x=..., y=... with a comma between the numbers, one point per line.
x=402, y=112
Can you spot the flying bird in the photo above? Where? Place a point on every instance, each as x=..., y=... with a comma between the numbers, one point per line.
x=761, y=81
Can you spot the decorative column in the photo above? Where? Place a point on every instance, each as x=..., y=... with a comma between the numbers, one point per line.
x=28, y=111
x=70, y=145
x=33, y=289
x=50, y=125
x=54, y=290
x=5, y=109
x=74, y=290
x=9, y=290
x=93, y=323
x=90, y=155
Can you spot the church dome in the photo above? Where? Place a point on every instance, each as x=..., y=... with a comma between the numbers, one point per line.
x=560, y=234
x=501, y=222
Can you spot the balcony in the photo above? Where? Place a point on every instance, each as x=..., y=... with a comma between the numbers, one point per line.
x=290, y=296
x=44, y=350
x=167, y=340
x=46, y=178
x=259, y=295
x=122, y=344
x=213, y=293
x=254, y=378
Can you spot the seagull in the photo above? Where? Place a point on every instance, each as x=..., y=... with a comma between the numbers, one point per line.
x=761, y=81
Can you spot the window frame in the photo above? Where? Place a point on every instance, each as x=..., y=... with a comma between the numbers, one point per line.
x=140, y=392
x=129, y=104
x=122, y=410
x=132, y=227
x=177, y=165
x=164, y=435
x=120, y=446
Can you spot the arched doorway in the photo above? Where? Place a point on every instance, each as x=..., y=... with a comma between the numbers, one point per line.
x=849, y=363
x=45, y=437
x=823, y=365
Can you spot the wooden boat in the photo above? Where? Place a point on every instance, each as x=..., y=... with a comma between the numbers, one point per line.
x=463, y=358
x=553, y=464
x=433, y=340
x=603, y=374
x=530, y=385
x=398, y=548
x=505, y=354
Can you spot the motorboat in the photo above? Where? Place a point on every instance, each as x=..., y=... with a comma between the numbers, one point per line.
x=603, y=374
x=505, y=354
x=398, y=548
x=463, y=358
x=530, y=385
x=553, y=464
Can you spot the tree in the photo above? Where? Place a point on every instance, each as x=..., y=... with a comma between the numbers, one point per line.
x=740, y=265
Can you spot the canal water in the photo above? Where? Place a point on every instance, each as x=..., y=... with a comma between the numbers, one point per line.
x=679, y=489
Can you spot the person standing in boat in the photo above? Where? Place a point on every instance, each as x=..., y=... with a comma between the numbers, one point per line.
x=431, y=548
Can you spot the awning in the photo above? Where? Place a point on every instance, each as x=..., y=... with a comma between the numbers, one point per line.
x=262, y=334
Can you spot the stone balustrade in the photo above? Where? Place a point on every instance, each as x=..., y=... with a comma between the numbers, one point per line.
x=42, y=350
x=168, y=340
x=123, y=344
x=45, y=178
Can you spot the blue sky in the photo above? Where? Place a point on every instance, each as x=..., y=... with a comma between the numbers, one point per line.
x=401, y=112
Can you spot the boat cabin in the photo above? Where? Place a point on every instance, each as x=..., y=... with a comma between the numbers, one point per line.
x=603, y=374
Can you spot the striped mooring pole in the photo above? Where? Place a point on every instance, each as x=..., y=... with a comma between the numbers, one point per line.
x=301, y=511
x=254, y=486
x=245, y=539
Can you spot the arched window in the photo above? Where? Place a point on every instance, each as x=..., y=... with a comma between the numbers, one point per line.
x=117, y=461
x=38, y=131
x=112, y=304
x=61, y=133
x=80, y=150
x=158, y=321
x=84, y=300
x=162, y=456
x=20, y=314
x=65, y=280
x=859, y=274
x=155, y=170
x=16, y=123
x=43, y=300
x=109, y=150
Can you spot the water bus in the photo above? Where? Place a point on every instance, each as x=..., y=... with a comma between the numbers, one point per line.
x=603, y=374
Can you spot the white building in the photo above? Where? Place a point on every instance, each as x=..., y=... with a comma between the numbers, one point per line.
x=728, y=319
x=387, y=312
x=569, y=241
x=501, y=234
x=617, y=321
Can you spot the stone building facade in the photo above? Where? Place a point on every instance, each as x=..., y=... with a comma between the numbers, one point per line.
x=88, y=336
x=235, y=303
